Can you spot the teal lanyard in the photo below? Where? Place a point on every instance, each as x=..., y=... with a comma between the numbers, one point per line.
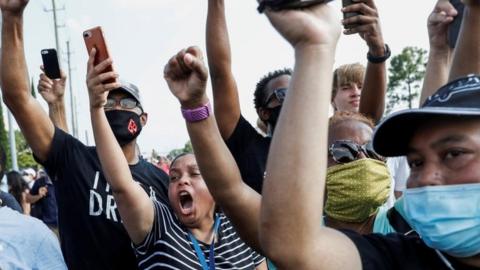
x=198, y=250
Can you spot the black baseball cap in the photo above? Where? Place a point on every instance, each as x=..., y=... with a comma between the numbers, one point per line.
x=457, y=99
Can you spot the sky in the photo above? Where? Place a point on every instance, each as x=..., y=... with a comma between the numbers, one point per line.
x=143, y=34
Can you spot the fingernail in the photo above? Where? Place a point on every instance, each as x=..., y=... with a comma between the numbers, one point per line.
x=188, y=58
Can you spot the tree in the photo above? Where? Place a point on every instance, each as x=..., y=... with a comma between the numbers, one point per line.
x=186, y=149
x=24, y=152
x=406, y=74
x=4, y=139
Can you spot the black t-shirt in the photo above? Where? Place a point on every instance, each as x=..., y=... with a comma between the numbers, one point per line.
x=399, y=252
x=92, y=235
x=250, y=151
x=45, y=209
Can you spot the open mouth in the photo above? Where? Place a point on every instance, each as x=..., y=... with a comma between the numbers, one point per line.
x=186, y=202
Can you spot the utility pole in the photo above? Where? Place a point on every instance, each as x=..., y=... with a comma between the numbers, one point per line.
x=86, y=138
x=55, y=26
x=72, y=99
x=11, y=139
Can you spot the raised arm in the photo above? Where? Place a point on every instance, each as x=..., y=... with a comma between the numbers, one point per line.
x=135, y=207
x=290, y=227
x=440, y=53
x=225, y=94
x=372, y=97
x=52, y=91
x=32, y=120
x=466, y=59
x=239, y=202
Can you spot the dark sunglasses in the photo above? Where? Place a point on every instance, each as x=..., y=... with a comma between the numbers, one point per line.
x=279, y=93
x=125, y=103
x=345, y=151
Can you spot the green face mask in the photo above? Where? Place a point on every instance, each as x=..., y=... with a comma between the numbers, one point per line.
x=356, y=190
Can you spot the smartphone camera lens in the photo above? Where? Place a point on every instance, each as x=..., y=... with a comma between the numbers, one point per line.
x=87, y=34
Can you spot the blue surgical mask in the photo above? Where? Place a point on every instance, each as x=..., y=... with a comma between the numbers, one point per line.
x=446, y=217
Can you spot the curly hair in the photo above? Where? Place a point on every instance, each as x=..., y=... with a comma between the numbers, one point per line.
x=260, y=93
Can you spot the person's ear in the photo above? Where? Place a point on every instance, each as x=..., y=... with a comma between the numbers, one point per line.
x=143, y=119
x=263, y=114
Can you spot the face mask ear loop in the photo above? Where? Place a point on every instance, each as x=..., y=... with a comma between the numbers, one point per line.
x=444, y=260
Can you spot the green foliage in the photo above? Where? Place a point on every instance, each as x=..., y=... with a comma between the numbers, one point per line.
x=4, y=139
x=175, y=152
x=406, y=74
x=24, y=153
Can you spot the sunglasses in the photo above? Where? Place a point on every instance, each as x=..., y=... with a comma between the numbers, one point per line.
x=125, y=103
x=279, y=93
x=344, y=151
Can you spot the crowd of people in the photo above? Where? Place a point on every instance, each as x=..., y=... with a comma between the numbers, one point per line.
x=341, y=200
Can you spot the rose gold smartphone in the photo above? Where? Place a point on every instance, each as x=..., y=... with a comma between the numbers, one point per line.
x=94, y=38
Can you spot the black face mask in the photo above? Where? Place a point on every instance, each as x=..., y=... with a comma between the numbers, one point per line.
x=125, y=125
x=274, y=113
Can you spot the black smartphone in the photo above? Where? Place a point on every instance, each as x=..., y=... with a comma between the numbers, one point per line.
x=288, y=4
x=454, y=27
x=347, y=15
x=50, y=63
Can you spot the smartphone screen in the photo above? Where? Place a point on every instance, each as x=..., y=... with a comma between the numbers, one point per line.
x=94, y=38
x=50, y=63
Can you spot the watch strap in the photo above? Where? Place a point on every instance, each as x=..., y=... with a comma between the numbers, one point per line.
x=379, y=59
x=197, y=114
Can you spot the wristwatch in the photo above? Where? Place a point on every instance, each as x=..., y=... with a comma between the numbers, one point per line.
x=379, y=59
x=197, y=114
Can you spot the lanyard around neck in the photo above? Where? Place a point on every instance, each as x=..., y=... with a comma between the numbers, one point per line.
x=198, y=250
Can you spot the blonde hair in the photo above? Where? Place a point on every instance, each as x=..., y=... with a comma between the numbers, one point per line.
x=347, y=74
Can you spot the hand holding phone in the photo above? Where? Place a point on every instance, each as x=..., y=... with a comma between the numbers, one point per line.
x=50, y=63
x=347, y=15
x=94, y=38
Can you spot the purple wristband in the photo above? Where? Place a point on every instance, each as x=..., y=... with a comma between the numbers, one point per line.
x=197, y=114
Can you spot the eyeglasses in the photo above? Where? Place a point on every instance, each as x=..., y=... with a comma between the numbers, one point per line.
x=344, y=151
x=125, y=103
x=279, y=93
